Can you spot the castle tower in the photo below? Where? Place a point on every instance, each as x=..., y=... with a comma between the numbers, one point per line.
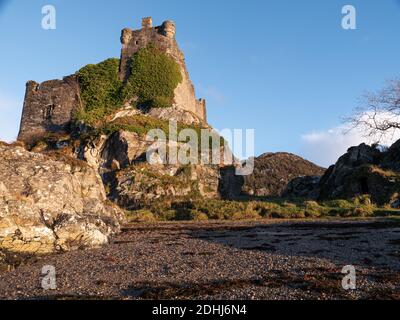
x=147, y=23
x=163, y=37
x=168, y=29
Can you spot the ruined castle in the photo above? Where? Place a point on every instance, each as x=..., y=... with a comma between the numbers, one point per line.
x=49, y=106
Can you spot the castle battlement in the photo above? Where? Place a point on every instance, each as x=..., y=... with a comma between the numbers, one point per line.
x=147, y=23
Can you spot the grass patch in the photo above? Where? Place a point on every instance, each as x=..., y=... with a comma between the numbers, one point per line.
x=208, y=209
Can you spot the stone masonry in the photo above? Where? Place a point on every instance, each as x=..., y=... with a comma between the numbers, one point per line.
x=48, y=107
x=163, y=37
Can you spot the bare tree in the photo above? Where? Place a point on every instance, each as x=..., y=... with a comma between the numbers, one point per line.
x=378, y=117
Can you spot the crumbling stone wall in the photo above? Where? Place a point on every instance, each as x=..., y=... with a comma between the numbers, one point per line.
x=163, y=37
x=48, y=107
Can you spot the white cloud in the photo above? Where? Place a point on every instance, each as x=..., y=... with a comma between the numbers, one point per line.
x=10, y=109
x=325, y=147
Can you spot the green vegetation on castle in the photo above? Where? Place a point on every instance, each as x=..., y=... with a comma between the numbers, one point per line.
x=151, y=84
x=101, y=90
x=154, y=78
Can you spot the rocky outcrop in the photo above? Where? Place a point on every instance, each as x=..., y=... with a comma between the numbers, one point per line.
x=141, y=184
x=340, y=180
x=167, y=114
x=114, y=152
x=273, y=172
x=303, y=187
x=177, y=115
x=52, y=203
x=122, y=162
x=364, y=170
x=391, y=158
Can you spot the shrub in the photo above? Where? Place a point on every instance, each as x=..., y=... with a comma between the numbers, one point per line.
x=341, y=204
x=100, y=90
x=363, y=211
x=160, y=102
x=247, y=214
x=198, y=216
x=142, y=216
x=154, y=77
x=313, y=209
x=267, y=209
x=362, y=200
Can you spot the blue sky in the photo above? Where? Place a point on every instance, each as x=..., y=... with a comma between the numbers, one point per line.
x=284, y=68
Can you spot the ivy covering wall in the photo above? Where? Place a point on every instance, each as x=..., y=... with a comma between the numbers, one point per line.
x=151, y=84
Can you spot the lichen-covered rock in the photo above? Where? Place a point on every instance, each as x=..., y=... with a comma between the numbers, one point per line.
x=140, y=184
x=364, y=170
x=168, y=114
x=51, y=202
x=114, y=152
x=177, y=115
x=121, y=160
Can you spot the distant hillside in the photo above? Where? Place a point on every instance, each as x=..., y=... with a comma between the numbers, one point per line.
x=273, y=171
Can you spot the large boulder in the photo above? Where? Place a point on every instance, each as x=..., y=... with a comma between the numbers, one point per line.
x=364, y=170
x=340, y=180
x=52, y=203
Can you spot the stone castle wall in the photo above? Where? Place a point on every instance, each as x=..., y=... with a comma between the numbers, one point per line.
x=48, y=107
x=163, y=37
